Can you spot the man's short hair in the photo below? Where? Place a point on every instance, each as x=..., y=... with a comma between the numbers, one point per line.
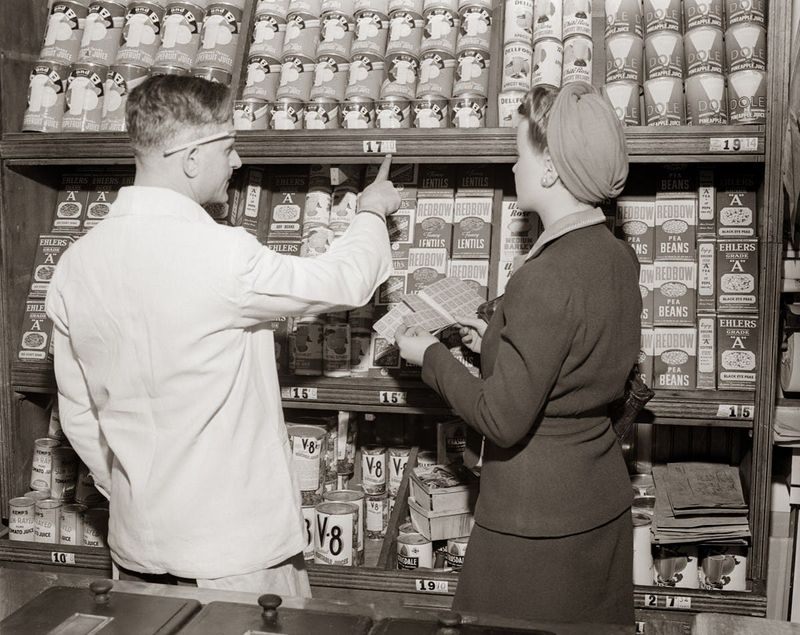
x=162, y=107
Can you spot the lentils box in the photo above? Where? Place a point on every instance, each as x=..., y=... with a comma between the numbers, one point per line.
x=425, y=266
x=472, y=227
x=475, y=272
x=434, y=223
x=675, y=358
x=737, y=351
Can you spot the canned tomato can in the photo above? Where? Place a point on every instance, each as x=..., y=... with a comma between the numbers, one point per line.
x=83, y=104
x=746, y=47
x=475, y=31
x=456, y=550
x=357, y=113
x=262, y=78
x=219, y=39
x=275, y=7
x=335, y=35
x=623, y=16
x=180, y=41
x=390, y=112
x=141, y=34
x=737, y=11
x=377, y=515
x=322, y=113
x=624, y=96
x=250, y=114
x=663, y=52
x=402, y=73
x=702, y=13
x=296, y=79
x=302, y=34
x=702, y=47
x=120, y=81
x=398, y=459
x=85, y=492
x=405, y=32
x=42, y=465
x=330, y=77
x=218, y=75
x=663, y=101
x=65, y=474
x=437, y=73
x=339, y=6
x=468, y=111
x=308, y=449
x=414, y=551
x=64, y=31
x=472, y=73
x=662, y=15
x=642, y=549
x=577, y=65
x=548, y=17
x=309, y=525
x=358, y=499
x=288, y=115
x=71, y=524
x=431, y=111
x=415, y=6
x=624, y=57
x=95, y=527
x=371, y=32
x=440, y=31
x=747, y=97
x=517, y=63
x=102, y=32
x=577, y=18
x=675, y=566
x=518, y=21
x=46, y=525
x=373, y=469
x=269, y=32
x=336, y=346
x=548, y=59
x=336, y=536
x=21, y=518
x=365, y=76
x=46, y=89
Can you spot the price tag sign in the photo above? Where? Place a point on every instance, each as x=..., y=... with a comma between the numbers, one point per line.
x=432, y=586
x=733, y=144
x=62, y=557
x=392, y=397
x=380, y=146
x=297, y=392
x=650, y=600
x=678, y=602
x=734, y=411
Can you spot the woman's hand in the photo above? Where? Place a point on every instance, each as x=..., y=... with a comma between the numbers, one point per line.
x=413, y=342
x=471, y=331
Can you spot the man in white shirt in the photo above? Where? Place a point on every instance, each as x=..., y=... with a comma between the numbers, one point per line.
x=166, y=373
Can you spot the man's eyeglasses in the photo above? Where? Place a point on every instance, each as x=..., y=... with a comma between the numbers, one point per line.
x=217, y=136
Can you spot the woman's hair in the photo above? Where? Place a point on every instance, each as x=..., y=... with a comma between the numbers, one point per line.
x=535, y=108
x=162, y=107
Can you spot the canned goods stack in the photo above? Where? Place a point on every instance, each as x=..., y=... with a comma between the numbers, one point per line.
x=518, y=60
x=746, y=57
x=663, y=43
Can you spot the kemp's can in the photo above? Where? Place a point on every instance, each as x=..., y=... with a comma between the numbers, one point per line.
x=46, y=88
x=371, y=32
x=308, y=449
x=297, y=77
x=405, y=32
x=476, y=28
x=662, y=15
x=330, y=77
x=663, y=101
x=547, y=20
x=548, y=59
x=250, y=114
x=85, y=491
x=663, y=53
x=393, y=112
x=472, y=73
x=71, y=524
x=577, y=60
x=64, y=31
x=624, y=58
x=365, y=77
x=22, y=518
x=468, y=111
x=702, y=13
x=335, y=34
x=517, y=63
x=440, y=31
x=65, y=474
x=336, y=535
x=95, y=527
x=414, y=551
x=518, y=21
x=120, y=81
x=703, y=50
x=431, y=111
x=42, y=465
x=262, y=78
x=269, y=33
x=437, y=72
x=402, y=73
x=745, y=11
x=218, y=75
x=84, y=98
x=102, y=32
x=219, y=39
x=746, y=47
x=183, y=22
x=141, y=34
x=46, y=525
x=624, y=96
x=705, y=100
x=358, y=113
x=747, y=97
x=302, y=34
x=623, y=16
x=577, y=18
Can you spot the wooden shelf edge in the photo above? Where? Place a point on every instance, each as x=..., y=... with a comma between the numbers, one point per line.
x=37, y=553
x=752, y=603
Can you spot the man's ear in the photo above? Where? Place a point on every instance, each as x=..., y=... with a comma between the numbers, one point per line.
x=191, y=162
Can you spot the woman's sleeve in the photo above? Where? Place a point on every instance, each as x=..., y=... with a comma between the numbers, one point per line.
x=534, y=343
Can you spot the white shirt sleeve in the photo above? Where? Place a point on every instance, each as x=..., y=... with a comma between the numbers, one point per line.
x=274, y=285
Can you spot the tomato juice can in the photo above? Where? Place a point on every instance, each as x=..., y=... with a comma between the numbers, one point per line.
x=377, y=515
x=371, y=32
x=405, y=32
x=335, y=34
x=663, y=52
x=308, y=448
x=46, y=95
x=46, y=525
x=180, y=41
x=102, y=31
x=623, y=16
x=141, y=34
x=548, y=17
x=309, y=527
x=22, y=518
x=262, y=77
x=472, y=73
x=548, y=59
x=706, y=102
x=468, y=111
x=397, y=458
x=70, y=524
x=357, y=498
x=390, y=112
x=746, y=47
x=402, y=74
x=664, y=103
x=330, y=78
x=269, y=33
x=436, y=74
x=219, y=39
x=83, y=103
x=702, y=13
x=365, y=77
x=747, y=97
x=624, y=97
x=703, y=50
x=577, y=66
x=518, y=21
x=737, y=11
x=308, y=331
x=440, y=31
x=414, y=551
x=336, y=535
x=577, y=18
x=373, y=469
x=85, y=491
x=42, y=464
x=296, y=78
x=517, y=64
x=64, y=31
x=250, y=114
x=120, y=81
x=662, y=15
x=65, y=474
x=431, y=111
x=95, y=527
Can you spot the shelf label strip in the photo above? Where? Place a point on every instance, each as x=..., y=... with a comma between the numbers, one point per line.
x=431, y=586
x=393, y=397
x=733, y=144
x=380, y=146
x=306, y=393
x=62, y=557
x=735, y=411
x=652, y=601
